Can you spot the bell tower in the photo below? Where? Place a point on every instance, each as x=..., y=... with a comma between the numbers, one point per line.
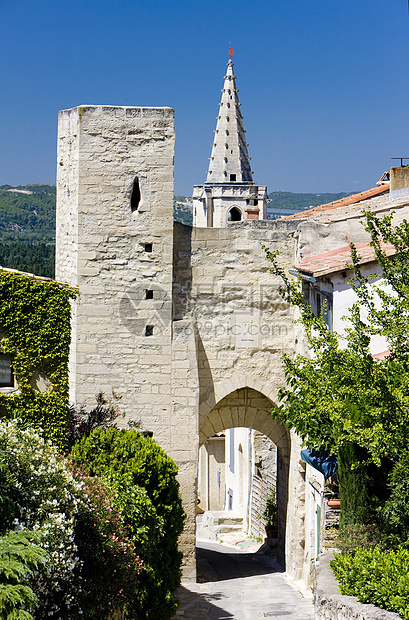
x=229, y=193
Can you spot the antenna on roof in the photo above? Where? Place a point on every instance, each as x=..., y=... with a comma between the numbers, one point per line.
x=401, y=158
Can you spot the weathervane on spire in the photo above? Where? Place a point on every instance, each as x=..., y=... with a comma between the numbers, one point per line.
x=231, y=51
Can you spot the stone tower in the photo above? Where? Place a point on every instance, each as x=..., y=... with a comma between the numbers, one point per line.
x=115, y=242
x=229, y=193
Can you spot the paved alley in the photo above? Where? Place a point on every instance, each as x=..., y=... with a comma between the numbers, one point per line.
x=237, y=583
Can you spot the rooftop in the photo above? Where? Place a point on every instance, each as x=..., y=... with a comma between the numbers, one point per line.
x=333, y=261
x=375, y=200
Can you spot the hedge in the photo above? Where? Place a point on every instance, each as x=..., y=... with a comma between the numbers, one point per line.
x=144, y=480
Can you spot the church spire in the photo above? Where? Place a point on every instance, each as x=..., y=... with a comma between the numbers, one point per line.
x=229, y=193
x=229, y=161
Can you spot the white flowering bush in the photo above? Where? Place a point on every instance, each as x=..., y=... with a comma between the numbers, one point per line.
x=41, y=494
x=92, y=566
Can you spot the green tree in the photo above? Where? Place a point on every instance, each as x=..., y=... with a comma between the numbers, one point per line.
x=339, y=398
x=143, y=479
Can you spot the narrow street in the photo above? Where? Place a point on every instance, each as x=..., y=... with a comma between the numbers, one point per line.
x=235, y=583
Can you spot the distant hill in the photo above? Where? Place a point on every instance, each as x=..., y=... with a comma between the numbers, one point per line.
x=27, y=222
x=27, y=228
x=183, y=210
x=300, y=202
x=27, y=212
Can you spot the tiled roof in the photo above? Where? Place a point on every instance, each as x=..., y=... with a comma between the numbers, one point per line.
x=343, y=202
x=382, y=355
x=332, y=261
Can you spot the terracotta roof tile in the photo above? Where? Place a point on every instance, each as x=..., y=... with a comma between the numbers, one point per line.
x=343, y=202
x=332, y=261
x=381, y=355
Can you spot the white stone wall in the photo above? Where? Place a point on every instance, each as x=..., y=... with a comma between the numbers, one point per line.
x=344, y=297
x=212, y=460
x=238, y=481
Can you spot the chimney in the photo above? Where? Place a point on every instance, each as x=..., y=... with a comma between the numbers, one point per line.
x=399, y=179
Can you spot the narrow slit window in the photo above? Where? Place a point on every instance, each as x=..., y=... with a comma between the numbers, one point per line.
x=148, y=294
x=135, y=195
x=149, y=330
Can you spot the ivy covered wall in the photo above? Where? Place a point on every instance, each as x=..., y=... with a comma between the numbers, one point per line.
x=35, y=332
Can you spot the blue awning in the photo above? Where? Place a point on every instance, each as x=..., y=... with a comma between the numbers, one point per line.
x=321, y=461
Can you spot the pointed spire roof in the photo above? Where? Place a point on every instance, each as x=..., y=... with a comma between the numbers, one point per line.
x=230, y=161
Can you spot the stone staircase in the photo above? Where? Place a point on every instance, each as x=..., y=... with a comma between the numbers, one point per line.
x=214, y=524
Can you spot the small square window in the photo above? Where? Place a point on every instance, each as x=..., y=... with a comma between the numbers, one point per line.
x=6, y=372
x=232, y=177
x=149, y=330
x=148, y=294
x=148, y=247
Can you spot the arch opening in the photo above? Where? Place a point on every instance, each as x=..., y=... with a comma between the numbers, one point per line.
x=240, y=434
x=234, y=215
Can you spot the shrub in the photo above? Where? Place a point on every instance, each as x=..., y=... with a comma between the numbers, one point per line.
x=395, y=512
x=42, y=495
x=93, y=567
x=352, y=537
x=110, y=565
x=154, y=515
x=19, y=557
x=269, y=514
x=103, y=415
x=377, y=577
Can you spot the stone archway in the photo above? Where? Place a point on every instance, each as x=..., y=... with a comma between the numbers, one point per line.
x=250, y=408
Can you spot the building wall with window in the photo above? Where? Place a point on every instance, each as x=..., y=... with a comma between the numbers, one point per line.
x=334, y=296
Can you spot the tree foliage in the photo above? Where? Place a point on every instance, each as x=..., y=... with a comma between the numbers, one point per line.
x=339, y=398
x=19, y=558
x=28, y=256
x=340, y=393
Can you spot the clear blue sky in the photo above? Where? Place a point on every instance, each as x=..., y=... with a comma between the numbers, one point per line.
x=323, y=83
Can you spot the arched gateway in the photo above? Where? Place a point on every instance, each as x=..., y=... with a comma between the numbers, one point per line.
x=186, y=323
x=249, y=408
